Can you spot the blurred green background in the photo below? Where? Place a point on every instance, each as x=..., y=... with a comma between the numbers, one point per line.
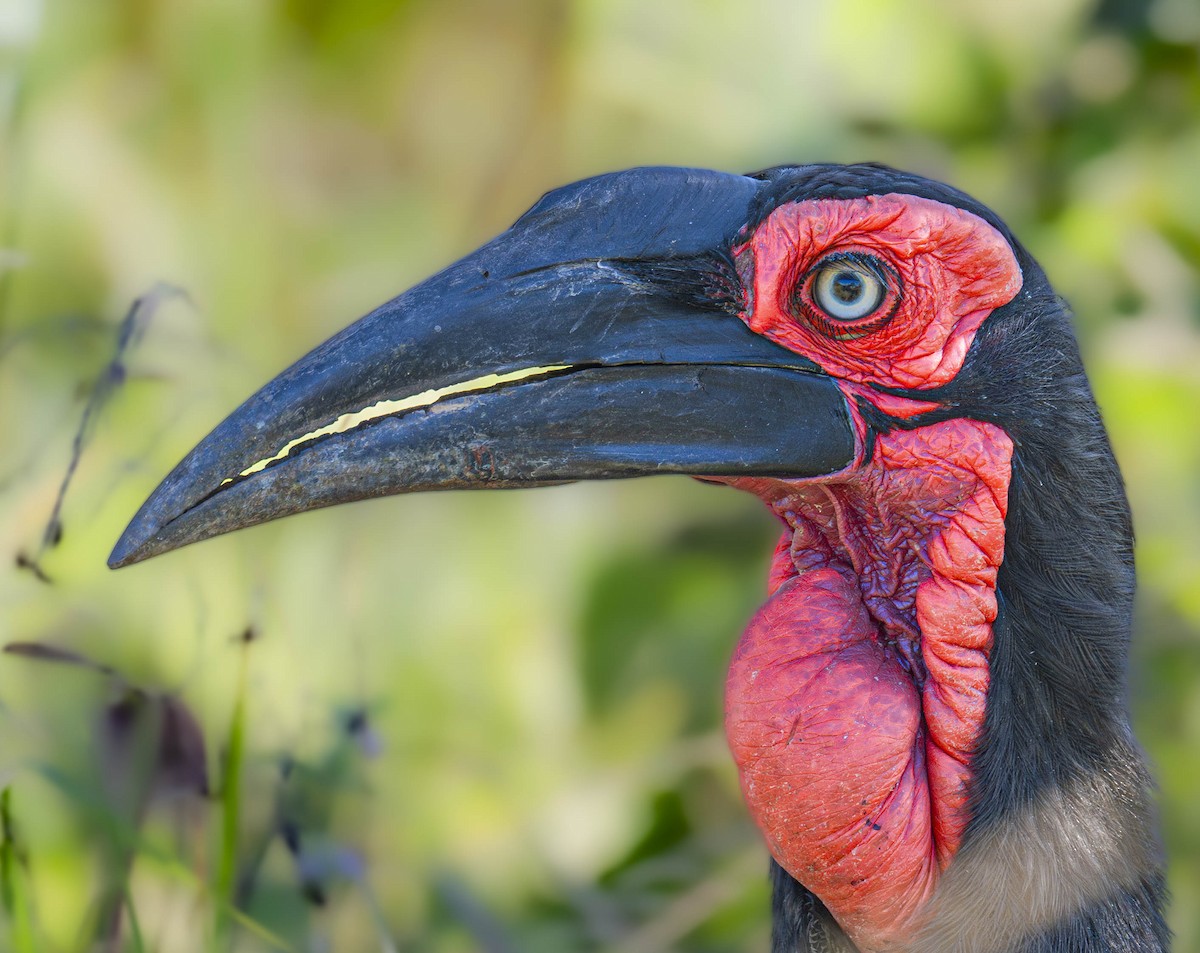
x=487, y=721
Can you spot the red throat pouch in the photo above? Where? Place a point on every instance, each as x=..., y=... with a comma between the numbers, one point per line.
x=856, y=695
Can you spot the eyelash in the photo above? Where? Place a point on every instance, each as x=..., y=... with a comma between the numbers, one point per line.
x=805, y=306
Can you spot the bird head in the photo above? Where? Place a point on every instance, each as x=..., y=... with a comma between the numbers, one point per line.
x=930, y=701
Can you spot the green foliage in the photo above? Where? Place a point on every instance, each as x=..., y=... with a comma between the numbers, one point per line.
x=665, y=613
x=14, y=886
x=231, y=792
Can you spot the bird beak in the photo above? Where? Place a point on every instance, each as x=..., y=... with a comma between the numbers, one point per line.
x=599, y=337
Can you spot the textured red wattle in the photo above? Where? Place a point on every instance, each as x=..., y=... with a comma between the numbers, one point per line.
x=857, y=694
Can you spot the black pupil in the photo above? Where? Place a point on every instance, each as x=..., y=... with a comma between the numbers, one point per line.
x=848, y=287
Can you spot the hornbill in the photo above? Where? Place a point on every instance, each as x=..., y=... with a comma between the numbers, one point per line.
x=928, y=714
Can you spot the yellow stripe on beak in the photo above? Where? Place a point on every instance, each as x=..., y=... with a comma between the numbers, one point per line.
x=387, y=408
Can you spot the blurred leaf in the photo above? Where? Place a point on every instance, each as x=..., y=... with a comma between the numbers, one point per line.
x=14, y=880
x=231, y=793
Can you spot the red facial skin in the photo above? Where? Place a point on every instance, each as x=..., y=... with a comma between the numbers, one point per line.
x=856, y=696
x=953, y=268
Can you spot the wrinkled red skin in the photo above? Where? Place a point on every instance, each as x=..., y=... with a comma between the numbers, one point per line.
x=954, y=269
x=857, y=694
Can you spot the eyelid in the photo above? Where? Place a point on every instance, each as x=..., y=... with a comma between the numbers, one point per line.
x=805, y=307
x=863, y=260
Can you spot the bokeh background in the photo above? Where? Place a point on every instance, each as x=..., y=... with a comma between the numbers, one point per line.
x=485, y=721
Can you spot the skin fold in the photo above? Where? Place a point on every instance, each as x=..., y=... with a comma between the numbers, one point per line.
x=857, y=693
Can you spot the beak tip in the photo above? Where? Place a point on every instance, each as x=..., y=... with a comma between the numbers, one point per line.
x=123, y=554
x=135, y=545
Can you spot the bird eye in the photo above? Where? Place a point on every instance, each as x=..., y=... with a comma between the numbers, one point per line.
x=847, y=290
x=848, y=294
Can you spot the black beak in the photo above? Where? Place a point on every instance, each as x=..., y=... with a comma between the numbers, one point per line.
x=596, y=338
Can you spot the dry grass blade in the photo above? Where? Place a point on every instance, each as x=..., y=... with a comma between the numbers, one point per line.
x=44, y=652
x=131, y=330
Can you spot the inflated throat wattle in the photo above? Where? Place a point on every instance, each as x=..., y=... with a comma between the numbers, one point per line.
x=856, y=696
